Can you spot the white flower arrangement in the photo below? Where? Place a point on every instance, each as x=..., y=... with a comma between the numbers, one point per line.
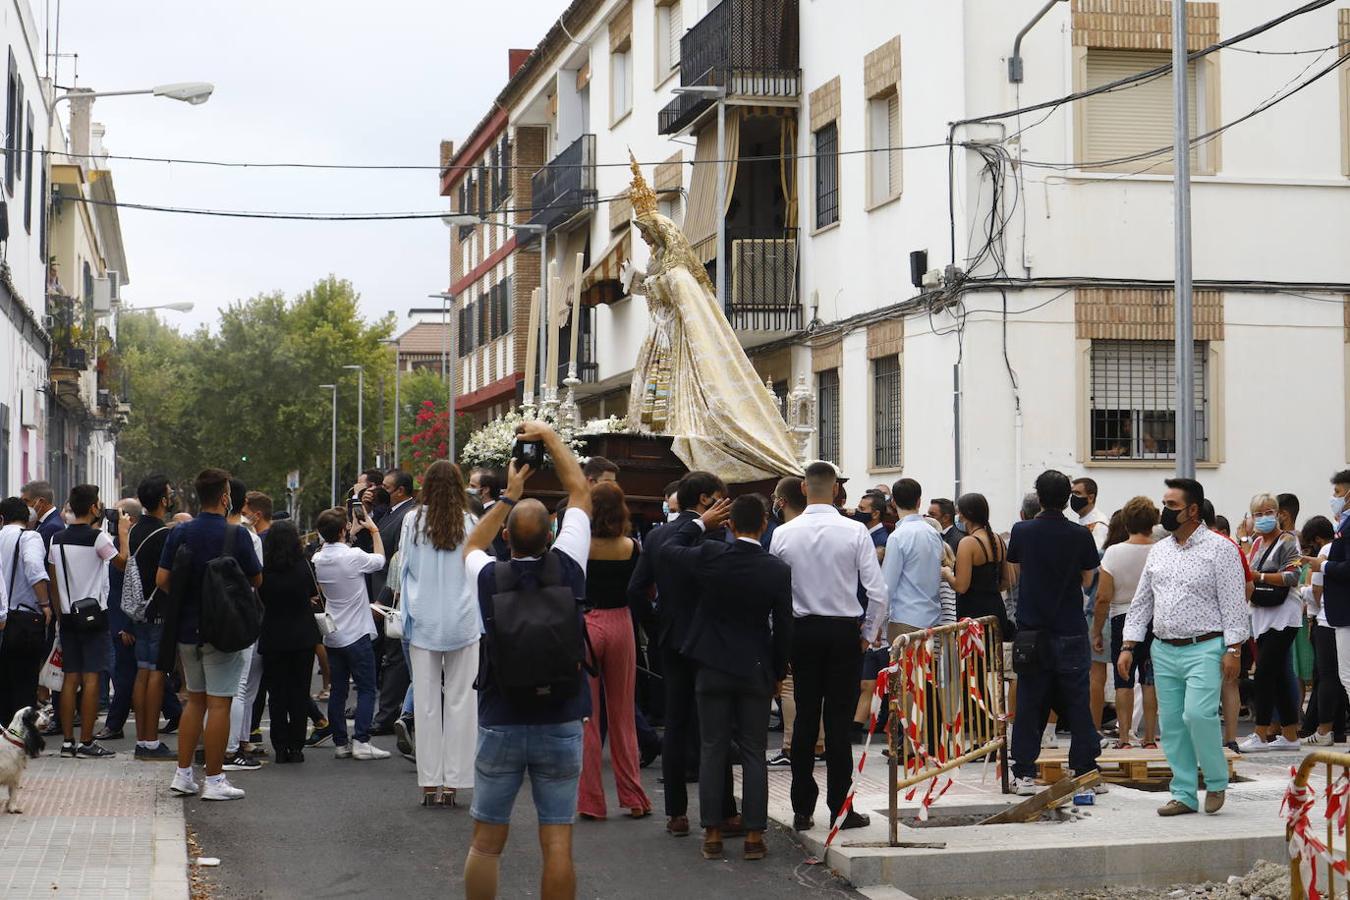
x=610, y=425
x=490, y=446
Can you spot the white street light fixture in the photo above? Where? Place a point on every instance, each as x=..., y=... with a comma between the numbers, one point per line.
x=194, y=92
x=178, y=306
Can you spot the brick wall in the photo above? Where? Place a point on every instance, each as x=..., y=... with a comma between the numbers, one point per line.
x=528, y=156
x=1141, y=24
x=885, y=338
x=1143, y=315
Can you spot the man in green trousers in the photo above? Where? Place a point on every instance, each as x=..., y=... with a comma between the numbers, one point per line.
x=1192, y=591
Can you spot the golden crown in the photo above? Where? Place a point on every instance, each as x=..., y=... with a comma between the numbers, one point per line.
x=640, y=193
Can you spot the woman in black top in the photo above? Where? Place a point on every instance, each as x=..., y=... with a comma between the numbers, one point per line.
x=289, y=634
x=982, y=571
x=609, y=627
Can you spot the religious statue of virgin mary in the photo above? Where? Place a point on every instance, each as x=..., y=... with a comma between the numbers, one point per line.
x=692, y=379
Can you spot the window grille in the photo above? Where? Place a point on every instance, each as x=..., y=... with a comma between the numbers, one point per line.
x=827, y=175
x=1133, y=400
x=886, y=399
x=827, y=410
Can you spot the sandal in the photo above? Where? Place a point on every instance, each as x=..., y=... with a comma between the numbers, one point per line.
x=447, y=797
x=639, y=812
x=1149, y=745
x=430, y=798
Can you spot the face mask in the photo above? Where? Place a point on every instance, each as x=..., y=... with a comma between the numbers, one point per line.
x=32, y=515
x=1171, y=518
x=1078, y=503
x=1265, y=524
x=665, y=509
x=246, y=521
x=863, y=517
x=1338, y=506
x=473, y=492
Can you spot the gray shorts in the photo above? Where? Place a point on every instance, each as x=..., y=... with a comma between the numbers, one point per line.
x=211, y=671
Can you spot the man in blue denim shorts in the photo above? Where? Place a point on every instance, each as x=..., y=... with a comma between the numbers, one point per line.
x=543, y=739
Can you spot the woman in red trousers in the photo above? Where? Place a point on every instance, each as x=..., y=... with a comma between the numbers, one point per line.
x=609, y=625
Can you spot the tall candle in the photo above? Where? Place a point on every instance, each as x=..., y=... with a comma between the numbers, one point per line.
x=532, y=348
x=573, y=366
x=550, y=376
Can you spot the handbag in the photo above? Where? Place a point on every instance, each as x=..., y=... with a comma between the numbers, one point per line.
x=51, y=677
x=323, y=618
x=86, y=615
x=1265, y=595
x=1026, y=651
x=25, y=629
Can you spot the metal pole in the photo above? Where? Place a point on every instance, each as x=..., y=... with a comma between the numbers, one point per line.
x=956, y=425
x=542, y=341
x=333, y=477
x=360, y=420
x=382, y=457
x=722, y=261
x=1185, y=340
x=450, y=410
x=398, y=377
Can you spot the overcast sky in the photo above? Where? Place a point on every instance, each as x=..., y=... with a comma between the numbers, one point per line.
x=302, y=80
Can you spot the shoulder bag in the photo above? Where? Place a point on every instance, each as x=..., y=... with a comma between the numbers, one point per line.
x=86, y=614
x=1265, y=595
x=25, y=629
x=323, y=618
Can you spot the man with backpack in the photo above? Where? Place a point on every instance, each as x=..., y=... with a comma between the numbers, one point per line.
x=208, y=570
x=533, y=694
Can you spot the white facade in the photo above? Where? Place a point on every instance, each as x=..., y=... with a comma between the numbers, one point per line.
x=23, y=342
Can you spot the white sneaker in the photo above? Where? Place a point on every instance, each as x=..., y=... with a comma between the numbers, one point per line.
x=222, y=790
x=343, y=751
x=1283, y=743
x=1025, y=787
x=363, y=750
x=1048, y=739
x=1317, y=739
x=184, y=785
x=1253, y=743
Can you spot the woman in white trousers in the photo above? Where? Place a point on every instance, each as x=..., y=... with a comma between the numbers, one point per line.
x=442, y=625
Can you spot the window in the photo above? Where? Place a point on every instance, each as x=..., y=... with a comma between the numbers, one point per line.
x=1132, y=408
x=886, y=412
x=827, y=175
x=883, y=140
x=669, y=205
x=28, y=175
x=827, y=411
x=12, y=99
x=669, y=30
x=621, y=81
x=1124, y=123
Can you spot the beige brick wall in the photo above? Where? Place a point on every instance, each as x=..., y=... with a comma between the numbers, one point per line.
x=1143, y=315
x=1141, y=24
x=527, y=157
x=824, y=103
x=621, y=27
x=885, y=338
x=881, y=68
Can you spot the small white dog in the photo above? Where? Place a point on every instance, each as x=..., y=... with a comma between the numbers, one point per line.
x=21, y=740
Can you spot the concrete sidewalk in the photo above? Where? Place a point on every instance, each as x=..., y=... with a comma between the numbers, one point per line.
x=102, y=829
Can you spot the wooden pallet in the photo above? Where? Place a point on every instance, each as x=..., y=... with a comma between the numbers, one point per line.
x=1118, y=765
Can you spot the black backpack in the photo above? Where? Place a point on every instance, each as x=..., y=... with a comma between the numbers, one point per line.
x=536, y=641
x=231, y=615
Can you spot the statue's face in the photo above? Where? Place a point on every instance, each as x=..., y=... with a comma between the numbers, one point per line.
x=649, y=235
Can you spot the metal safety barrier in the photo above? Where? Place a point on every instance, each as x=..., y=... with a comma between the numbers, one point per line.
x=1310, y=859
x=945, y=694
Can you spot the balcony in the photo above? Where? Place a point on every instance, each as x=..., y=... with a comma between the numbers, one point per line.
x=566, y=186
x=762, y=294
x=747, y=46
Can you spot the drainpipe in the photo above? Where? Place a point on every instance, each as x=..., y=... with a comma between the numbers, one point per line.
x=1015, y=61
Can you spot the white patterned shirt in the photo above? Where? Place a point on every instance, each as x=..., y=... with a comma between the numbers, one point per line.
x=1191, y=589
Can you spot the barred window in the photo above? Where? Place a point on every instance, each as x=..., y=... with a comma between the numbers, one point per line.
x=827, y=175
x=886, y=399
x=1133, y=400
x=827, y=411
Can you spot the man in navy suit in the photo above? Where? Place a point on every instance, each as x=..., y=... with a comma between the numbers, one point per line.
x=43, y=517
x=741, y=657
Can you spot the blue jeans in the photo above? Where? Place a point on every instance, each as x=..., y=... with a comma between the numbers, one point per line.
x=356, y=662
x=552, y=756
x=1058, y=682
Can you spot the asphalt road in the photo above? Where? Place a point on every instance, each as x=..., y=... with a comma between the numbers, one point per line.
x=345, y=828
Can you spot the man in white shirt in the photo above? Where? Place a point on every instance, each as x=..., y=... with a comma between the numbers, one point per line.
x=23, y=571
x=830, y=556
x=78, y=559
x=341, y=570
x=239, y=753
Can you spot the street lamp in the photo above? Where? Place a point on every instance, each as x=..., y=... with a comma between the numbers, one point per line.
x=179, y=306
x=360, y=415
x=447, y=344
x=393, y=342
x=333, y=477
x=718, y=94
x=194, y=92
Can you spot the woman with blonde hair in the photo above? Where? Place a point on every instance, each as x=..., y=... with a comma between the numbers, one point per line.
x=609, y=629
x=1277, y=616
x=442, y=625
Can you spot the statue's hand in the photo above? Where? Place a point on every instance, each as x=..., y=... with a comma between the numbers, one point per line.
x=631, y=279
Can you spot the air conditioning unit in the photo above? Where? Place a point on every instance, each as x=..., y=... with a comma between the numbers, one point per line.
x=28, y=408
x=103, y=296
x=763, y=272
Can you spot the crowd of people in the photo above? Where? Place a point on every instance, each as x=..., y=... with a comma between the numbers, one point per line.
x=496, y=638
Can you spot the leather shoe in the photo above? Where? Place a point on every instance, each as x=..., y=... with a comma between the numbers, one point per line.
x=733, y=827
x=802, y=823
x=382, y=730
x=1174, y=808
x=678, y=826
x=756, y=850
x=712, y=849
x=856, y=820
x=169, y=726
x=1214, y=801
x=107, y=734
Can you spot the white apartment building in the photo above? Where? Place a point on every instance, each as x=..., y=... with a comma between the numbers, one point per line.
x=1050, y=344
x=24, y=342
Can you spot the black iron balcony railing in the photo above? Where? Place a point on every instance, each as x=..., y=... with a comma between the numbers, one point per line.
x=761, y=283
x=747, y=46
x=566, y=185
